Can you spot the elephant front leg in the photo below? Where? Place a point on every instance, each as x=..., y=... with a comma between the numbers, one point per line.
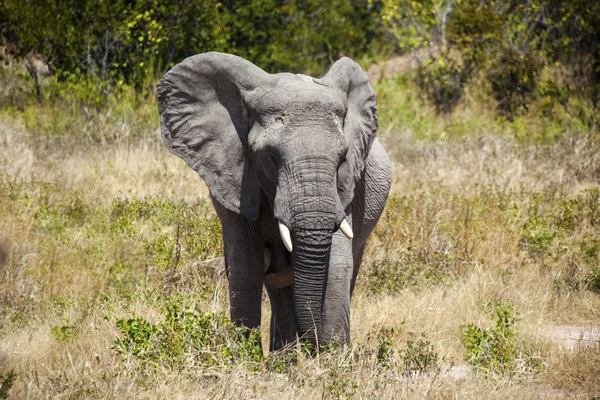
x=283, y=323
x=245, y=276
x=278, y=282
x=244, y=263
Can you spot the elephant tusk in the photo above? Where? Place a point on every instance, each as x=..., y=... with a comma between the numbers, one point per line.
x=284, y=231
x=345, y=227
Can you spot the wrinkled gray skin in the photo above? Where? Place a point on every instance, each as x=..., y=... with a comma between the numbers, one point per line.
x=286, y=148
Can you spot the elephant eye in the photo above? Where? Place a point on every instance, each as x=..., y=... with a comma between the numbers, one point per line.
x=272, y=157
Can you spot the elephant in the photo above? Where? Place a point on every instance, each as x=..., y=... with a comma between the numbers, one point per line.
x=297, y=179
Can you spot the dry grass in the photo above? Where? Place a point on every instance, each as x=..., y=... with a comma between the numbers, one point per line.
x=143, y=170
x=578, y=371
x=90, y=236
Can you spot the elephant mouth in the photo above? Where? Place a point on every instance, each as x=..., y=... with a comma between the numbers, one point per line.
x=286, y=235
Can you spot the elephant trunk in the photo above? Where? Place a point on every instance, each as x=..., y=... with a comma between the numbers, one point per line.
x=309, y=210
x=309, y=262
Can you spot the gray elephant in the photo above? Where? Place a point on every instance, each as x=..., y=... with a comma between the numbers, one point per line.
x=297, y=179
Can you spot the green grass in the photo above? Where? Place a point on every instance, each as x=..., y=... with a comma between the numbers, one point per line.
x=187, y=337
x=87, y=250
x=113, y=282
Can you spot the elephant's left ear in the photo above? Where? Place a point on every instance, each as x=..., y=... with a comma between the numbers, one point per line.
x=360, y=124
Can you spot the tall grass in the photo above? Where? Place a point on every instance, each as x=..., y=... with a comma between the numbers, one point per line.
x=112, y=279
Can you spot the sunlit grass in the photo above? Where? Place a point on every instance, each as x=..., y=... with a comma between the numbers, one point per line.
x=111, y=263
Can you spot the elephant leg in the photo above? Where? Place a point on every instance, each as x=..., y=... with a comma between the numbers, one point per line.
x=283, y=323
x=278, y=282
x=244, y=262
x=336, y=303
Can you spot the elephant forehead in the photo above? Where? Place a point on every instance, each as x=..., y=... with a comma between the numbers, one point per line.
x=299, y=98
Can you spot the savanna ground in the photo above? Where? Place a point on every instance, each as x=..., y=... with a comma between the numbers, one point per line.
x=112, y=282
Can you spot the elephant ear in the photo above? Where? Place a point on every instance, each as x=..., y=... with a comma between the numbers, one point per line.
x=204, y=121
x=360, y=122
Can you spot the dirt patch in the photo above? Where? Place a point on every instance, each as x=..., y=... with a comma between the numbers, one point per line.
x=570, y=337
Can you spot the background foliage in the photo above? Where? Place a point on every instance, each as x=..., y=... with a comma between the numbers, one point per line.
x=509, y=42
x=521, y=50
x=130, y=41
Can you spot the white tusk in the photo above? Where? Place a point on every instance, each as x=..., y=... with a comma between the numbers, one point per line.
x=284, y=231
x=345, y=227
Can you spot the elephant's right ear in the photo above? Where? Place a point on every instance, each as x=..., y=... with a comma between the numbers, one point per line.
x=360, y=123
x=204, y=121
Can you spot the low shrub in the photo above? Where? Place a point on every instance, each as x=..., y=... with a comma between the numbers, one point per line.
x=499, y=349
x=419, y=357
x=63, y=332
x=186, y=337
x=416, y=358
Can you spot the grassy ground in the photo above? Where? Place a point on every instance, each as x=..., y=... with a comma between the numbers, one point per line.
x=112, y=283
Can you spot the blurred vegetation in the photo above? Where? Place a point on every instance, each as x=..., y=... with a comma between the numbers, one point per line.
x=534, y=65
x=507, y=42
x=133, y=43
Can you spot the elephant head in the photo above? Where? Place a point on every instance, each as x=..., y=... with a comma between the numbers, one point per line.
x=294, y=141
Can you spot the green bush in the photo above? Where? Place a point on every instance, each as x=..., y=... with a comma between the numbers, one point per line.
x=499, y=349
x=592, y=280
x=442, y=80
x=188, y=336
x=340, y=385
x=590, y=247
x=64, y=332
x=419, y=357
x=385, y=347
x=416, y=358
x=538, y=235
